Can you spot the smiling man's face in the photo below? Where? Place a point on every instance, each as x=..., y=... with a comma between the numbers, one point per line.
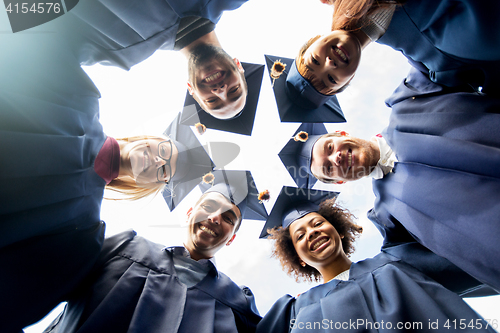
x=343, y=158
x=212, y=225
x=216, y=81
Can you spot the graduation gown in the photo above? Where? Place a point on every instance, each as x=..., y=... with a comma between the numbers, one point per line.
x=383, y=294
x=134, y=288
x=445, y=189
x=50, y=197
x=125, y=32
x=455, y=41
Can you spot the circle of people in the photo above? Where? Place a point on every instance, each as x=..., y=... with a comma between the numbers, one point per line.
x=435, y=171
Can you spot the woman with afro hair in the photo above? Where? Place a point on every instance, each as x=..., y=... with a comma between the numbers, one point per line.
x=398, y=289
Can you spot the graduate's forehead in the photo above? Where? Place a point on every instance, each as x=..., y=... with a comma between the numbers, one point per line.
x=218, y=199
x=213, y=196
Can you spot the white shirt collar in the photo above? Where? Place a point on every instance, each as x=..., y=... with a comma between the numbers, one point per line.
x=182, y=251
x=376, y=24
x=387, y=159
x=344, y=276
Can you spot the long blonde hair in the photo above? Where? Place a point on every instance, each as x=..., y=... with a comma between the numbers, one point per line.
x=126, y=185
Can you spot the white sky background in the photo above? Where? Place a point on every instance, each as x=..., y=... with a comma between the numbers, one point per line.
x=147, y=98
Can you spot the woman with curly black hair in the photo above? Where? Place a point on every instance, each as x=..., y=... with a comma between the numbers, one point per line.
x=391, y=291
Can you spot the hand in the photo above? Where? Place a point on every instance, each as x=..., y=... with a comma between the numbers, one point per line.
x=327, y=2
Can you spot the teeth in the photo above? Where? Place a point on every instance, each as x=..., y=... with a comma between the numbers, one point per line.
x=213, y=77
x=349, y=159
x=340, y=53
x=207, y=230
x=319, y=243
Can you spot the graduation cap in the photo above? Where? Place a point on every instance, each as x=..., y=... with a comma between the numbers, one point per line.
x=292, y=204
x=239, y=188
x=296, y=155
x=242, y=123
x=297, y=99
x=192, y=163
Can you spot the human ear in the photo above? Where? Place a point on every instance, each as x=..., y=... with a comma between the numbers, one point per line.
x=190, y=88
x=188, y=214
x=238, y=64
x=341, y=133
x=231, y=240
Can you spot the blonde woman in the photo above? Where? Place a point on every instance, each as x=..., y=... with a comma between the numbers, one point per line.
x=56, y=163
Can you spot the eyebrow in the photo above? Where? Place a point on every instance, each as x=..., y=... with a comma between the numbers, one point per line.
x=311, y=77
x=326, y=167
x=309, y=67
x=214, y=202
x=210, y=201
x=231, y=212
x=326, y=161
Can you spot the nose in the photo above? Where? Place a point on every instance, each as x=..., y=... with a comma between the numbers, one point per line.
x=159, y=162
x=313, y=233
x=330, y=62
x=220, y=91
x=214, y=217
x=337, y=158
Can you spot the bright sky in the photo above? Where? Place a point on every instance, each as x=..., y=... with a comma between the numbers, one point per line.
x=146, y=99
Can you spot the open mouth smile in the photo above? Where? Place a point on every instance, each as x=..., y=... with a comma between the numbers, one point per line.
x=207, y=230
x=214, y=77
x=341, y=54
x=316, y=244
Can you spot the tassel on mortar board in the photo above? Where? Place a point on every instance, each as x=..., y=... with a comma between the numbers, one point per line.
x=208, y=178
x=200, y=128
x=301, y=136
x=264, y=196
x=277, y=69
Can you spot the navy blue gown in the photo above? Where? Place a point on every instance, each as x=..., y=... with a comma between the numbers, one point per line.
x=134, y=288
x=50, y=198
x=389, y=292
x=456, y=42
x=445, y=189
x=123, y=33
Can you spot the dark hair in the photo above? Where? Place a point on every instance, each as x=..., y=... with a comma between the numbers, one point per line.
x=340, y=218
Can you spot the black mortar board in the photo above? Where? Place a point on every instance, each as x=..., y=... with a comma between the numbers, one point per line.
x=298, y=101
x=192, y=163
x=242, y=123
x=296, y=155
x=292, y=204
x=239, y=188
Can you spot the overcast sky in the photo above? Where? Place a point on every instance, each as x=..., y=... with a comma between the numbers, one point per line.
x=146, y=99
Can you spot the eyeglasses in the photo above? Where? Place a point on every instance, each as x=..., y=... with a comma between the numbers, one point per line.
x=163, y=152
